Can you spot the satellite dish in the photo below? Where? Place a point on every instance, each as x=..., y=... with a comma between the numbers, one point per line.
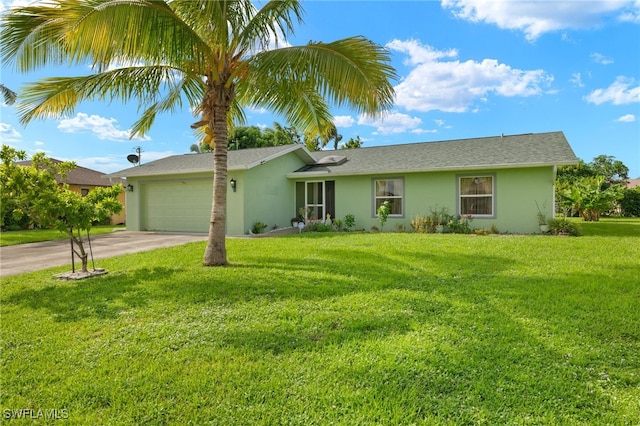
x=133, y=158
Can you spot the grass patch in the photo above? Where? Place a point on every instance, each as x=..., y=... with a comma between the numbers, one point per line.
x=336, y=329
x=611, y=226
x=10, y=238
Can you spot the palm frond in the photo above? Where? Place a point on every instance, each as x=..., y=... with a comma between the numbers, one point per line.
x=102, y=32
x=8, y=95
x=300, y=103
x=353, y=72
x=214, y=21
x=55, y=97
x=32, y=37
x=275, y=19
x=170, y=102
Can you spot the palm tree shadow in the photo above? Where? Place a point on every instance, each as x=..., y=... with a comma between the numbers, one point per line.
x=101, y=297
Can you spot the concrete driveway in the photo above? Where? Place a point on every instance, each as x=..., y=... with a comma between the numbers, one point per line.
x=35, y=256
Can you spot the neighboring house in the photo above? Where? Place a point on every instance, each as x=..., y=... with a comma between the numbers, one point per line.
x=633, y=183
x=499, y=180
x=83, y=180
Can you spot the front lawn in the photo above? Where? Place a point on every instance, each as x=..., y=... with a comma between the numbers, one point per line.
x=10, y=238
x=346, y=329
x=611, y=226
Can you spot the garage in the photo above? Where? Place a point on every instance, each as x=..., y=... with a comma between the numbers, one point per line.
x=178, y=205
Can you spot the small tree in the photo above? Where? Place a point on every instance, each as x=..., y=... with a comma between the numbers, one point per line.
x=383, y=213
x=34, y=192
x=590, y=198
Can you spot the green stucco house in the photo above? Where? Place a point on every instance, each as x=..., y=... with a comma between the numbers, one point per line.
x=499, y=180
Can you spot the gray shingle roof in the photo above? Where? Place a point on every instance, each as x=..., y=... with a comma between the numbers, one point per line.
x=80, y=176
x=527, y=150
x=197, y=163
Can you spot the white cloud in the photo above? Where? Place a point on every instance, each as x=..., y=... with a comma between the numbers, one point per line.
x=620, y=92
x=391, y=123
x=423, y=131
x=9, y=4
x=628, y=118
x=631, y=14
x=8, y=134
x=442, y=123
x=453, y=86
x=114, y=163
x=576, y=79
x=103, y=128
x=258, y=110
x=343, y=121
x=535, y=18
x=599, y=58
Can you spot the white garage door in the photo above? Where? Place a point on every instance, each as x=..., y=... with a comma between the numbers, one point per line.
x=181, y=206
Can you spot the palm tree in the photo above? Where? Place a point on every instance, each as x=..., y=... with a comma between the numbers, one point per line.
x=8, y=95
x=215, y=55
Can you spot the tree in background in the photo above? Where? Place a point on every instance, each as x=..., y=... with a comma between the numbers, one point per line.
x=353, y=143
x=334, y=136
x=591, y=189
x=614, y=171
x=281, y=135
x=312, y=142
x=630, y=202
x=199, y=148
x=590, y=197
x=33, y=192
x=218, y=56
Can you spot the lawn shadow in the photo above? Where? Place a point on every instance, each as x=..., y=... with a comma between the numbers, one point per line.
x=340, y=276
x=344, y=294
x=101, y=297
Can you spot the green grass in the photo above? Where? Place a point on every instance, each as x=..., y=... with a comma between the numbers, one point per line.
x=611, y=226
x=10, y=238
x=351, y=329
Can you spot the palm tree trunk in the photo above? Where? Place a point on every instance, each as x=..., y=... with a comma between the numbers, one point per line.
x=215, y=253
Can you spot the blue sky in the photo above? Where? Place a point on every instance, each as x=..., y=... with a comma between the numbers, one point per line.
x=467, y=68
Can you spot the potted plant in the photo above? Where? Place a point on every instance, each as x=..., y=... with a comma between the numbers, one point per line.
x=542, y=220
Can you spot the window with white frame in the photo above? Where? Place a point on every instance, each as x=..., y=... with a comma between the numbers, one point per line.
x=391, y=190
x=476, y=195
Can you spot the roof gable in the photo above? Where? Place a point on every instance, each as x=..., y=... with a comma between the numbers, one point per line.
x=242, y=159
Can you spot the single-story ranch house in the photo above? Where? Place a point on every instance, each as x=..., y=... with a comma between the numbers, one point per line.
x=500, y=181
